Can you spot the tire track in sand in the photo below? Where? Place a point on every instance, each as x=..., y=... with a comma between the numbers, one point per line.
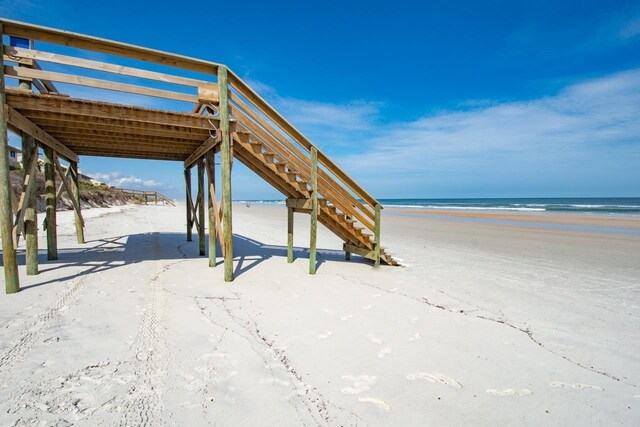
x=143, y=405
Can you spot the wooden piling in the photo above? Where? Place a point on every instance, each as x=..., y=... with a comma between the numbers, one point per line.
x=314, y=210
x=200, y=203
x=213, y=235
x=11, y=280
x=29, y=149
x=289, y=235
x=187, y=183
x=225, y=150
x=376, y=235
x=75, y=189
x=50, y=198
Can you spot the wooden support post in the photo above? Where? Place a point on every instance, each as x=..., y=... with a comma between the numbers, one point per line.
x=75, y=190
x=12, y=283
x=156, y=197
x=29, y=149
x=225, y=150
x=201, y=206
x=314, y=210
x=211, y=169
x=187, y=182
x=289, y=235
x=50, y=198
x=347, y=255
x=376, y=235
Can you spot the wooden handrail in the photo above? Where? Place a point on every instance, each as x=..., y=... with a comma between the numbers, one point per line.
x=243, y=89
x=97, y=44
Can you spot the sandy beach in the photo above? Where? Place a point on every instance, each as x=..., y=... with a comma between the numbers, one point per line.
x=500, y=322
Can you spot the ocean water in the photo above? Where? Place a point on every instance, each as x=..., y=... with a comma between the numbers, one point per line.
x=593, y=205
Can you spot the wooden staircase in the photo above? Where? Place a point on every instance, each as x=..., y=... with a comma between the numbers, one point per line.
x=277, y=160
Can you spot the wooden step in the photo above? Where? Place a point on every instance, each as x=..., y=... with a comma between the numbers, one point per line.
x=303, y=185
x=292, y=176
x=256, y=146
x=282, y=167
x=268, y=156
x=243, y=136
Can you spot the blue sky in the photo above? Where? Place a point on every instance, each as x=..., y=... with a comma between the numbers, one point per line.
x=442, y=99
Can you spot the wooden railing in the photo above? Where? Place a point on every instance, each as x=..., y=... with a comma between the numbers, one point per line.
x=246, y=105
x=148, y=195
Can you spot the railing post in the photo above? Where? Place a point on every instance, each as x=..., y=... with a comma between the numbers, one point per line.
x=187, y=183
x=75, y=188
x=12, y=283
x=200, y=198
x=376, y=235
x=289, y=235
x=314, y=210
x=225, y=159
x=210, y=164
x=50, y=197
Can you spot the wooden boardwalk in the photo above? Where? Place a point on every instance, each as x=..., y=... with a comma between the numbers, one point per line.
x=218, y=114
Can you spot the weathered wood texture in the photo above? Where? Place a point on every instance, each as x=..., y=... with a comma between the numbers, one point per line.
x=210, y=166
x=314, y=210
x=201, y=242
x=75, y=195
x=225, y=154
x=30, y=149
x=376, y=236
x=50, y=199
x=187, y=183
x=289, y=235
x=11, y=280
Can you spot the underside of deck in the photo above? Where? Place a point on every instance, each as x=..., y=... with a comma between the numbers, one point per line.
x=96, y=128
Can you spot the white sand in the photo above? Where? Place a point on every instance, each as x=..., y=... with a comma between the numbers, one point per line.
x=488, y=325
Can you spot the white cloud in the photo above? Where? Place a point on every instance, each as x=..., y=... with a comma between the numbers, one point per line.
x=630, y=29
x=118, y=179
x=583, y=140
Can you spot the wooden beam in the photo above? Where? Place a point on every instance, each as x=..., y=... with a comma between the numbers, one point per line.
x=210, y=165
x=201, y=243
x=314, y=210
x=25, y=125
x=68, y=186
x=299, y=203
x=289, y=235
x=10, y=263
x=206, y=146
x=27, y=187
x=21, y=72
x=376, y=235
x=226, y=157
x=50, y=198
x=80, y=127
x=189, y=203
x=29, y=151
x=96, y=109
x=75, y=197
x=12, y=53
x=96, y=44
x=363, y=252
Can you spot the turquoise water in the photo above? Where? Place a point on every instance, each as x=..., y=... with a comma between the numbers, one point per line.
x=593, y=205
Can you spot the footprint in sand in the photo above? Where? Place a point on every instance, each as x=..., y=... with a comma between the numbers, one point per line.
x=393, y=290
x=360, y=383
x=367, y=307
x=382, y=353
x=324, y=335
x=375, y=296
x=381, y=404
x=415, y=319
x=578, y=386
x=509, y=392
x=347, y=317
x=374, y=339
x=436, y=378
x=327, y=311
x=415, y=337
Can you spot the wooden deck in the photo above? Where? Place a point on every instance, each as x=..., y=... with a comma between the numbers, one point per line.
x=221, y=115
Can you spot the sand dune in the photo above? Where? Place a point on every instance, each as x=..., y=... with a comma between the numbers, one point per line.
x=488, y=324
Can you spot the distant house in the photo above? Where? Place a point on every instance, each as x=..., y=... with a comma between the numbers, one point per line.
x=15, y=157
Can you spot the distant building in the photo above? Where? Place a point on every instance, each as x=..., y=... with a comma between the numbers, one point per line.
x=15, y=157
